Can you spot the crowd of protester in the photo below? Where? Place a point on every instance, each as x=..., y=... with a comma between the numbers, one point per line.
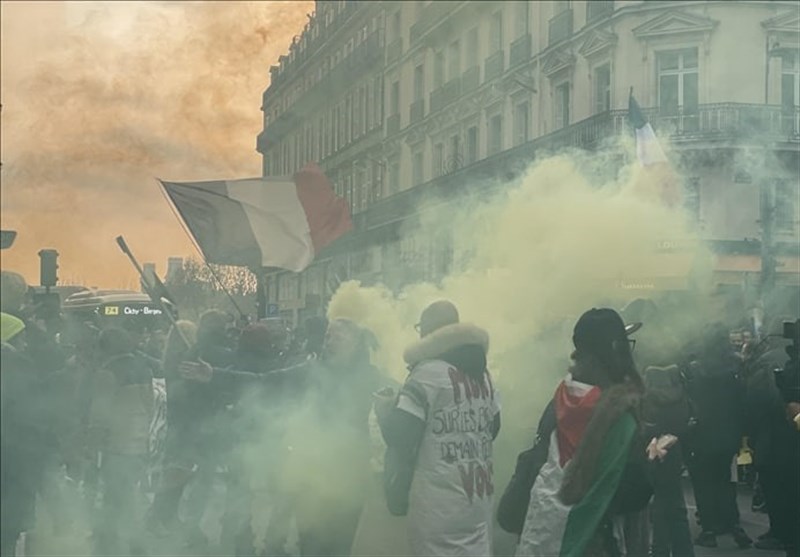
x=148, y=421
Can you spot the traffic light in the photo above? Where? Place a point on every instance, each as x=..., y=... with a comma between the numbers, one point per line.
x=48, y=269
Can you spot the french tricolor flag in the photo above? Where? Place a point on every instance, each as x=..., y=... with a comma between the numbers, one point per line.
x=652, y=156
x=262, y=222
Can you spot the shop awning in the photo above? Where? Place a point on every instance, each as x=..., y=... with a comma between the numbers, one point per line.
x=730, y=269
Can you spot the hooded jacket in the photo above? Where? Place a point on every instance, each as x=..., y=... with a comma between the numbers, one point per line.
x=442, y=428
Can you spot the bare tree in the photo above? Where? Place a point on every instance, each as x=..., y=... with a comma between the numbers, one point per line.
x=196, y=289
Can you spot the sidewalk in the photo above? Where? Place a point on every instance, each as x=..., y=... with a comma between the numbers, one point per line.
x=754, y=524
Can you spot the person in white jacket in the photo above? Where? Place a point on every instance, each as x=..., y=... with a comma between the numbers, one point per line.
x=443, y=423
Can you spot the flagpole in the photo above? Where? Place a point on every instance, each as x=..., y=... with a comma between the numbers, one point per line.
x=150, y=291
x=261, y=293
x=242, y=315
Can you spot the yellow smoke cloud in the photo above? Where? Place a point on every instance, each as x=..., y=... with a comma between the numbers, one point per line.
x=552, y=247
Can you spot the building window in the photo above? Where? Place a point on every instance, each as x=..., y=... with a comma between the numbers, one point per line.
x=335, y=131
x=438, y=160
x=521, y=18
x=368, y=113
x=472, y=144
x=454, y=61
x=356, y=117
x=790, y=80
x=364, y=110
x=495, y=134
x=496, y=33
x=321, y=135
x=562, y=105
x=363, y=185
x=677, y=81
x=349, y=118
x=394, y=177
x=419, y=82
x=521, y=123
x=418, y=168
x=394, y=99
x=602, y=88
x=691, y=200
x=418, y=10
x=377, y=100
x=786, y=193
x=455, y=153
x=349, y=193
x=472, y=48
x=394, y=26
x=438, y=70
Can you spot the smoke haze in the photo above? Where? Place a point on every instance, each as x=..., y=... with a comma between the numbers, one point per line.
x=99, y=99
x=559, y=242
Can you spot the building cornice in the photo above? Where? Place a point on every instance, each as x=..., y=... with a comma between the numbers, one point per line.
x=312, y=56
x=597, y=41
x=557, y=60
x=674, y=23
x=785, y=25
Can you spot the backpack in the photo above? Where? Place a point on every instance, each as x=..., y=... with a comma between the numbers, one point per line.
x=666, y=401
x=513, y=506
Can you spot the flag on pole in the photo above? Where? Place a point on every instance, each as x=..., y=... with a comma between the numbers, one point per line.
x=652, y=157
x=262, y=222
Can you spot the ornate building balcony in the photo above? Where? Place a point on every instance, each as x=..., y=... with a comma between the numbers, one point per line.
x=520, y=50
x=494, y=66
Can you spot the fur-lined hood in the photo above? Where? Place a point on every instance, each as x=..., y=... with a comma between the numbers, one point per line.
x=579, y=473
x=445, y=340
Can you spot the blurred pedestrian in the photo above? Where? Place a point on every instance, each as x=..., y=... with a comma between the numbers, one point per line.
x=24, y=434
x=121, y=412
x=717, y=394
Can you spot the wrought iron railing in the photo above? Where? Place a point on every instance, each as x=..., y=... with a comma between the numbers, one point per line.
x=723, y=121
x=471, y=79
x=431, y=15
x=436, y=100
x=596, y=9
x=494, y=66
x=520, y=50
x=451, y=90
x=392, y=124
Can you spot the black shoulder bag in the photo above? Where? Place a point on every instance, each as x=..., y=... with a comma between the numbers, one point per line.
x=514, y=503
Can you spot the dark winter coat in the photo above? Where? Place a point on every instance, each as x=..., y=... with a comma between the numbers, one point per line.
x=24, y=437
x=122, y=406
x=194, y=407
x=718, y=399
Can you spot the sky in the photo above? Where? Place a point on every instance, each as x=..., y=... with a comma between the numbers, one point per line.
x=101, y=98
